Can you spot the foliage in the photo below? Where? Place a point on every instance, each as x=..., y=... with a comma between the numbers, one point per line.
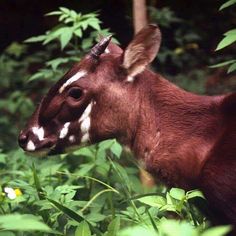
x=229, y=38
x=92, y=191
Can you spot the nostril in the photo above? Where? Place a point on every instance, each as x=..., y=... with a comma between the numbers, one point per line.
x=22, y=139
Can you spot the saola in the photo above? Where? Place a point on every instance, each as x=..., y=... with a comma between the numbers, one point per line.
x=184, y=139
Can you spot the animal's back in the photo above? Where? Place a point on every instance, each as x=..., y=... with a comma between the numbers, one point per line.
x=218, y=178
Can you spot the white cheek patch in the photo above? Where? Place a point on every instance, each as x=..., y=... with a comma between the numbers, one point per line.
x=85, y=138
x=39, y=132
x=30, y=146
x=72, y=138
x=74, y=78
x=107, y=50
x=64, y=130
x=85, y=123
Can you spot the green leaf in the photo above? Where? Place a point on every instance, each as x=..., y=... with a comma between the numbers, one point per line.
x=193, y=194
x=226, y=41
x=175, y=228
x=65, y=10
x=78, y=32
x=113, y=227
x=22, y=223
x=69, y=212
x=35, y=39
x=116, y=149
x=3, y=158
x=66, y=36
x=222, y=64
x=232, y=68
x=177, y=193
x=217, y=231
x=227, y=4
x=53, y=13
x=230, y=32
x=83, y=229
x=95, y=23
x=138, y=231
x=155, y=201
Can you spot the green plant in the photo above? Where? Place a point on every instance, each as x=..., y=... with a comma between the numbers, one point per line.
x=92, y=191
x=229, y=38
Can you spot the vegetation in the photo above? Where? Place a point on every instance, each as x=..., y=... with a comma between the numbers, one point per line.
x=94, y=190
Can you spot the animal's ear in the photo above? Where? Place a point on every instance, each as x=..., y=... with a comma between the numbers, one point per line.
x=142, y=50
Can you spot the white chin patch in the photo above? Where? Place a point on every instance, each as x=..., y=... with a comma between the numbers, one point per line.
x=30, y=146
x=39, y=132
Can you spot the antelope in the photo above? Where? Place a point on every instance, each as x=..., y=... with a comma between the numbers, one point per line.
x=184, y=139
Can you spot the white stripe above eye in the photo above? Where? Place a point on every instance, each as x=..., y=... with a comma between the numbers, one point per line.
x=74, y=78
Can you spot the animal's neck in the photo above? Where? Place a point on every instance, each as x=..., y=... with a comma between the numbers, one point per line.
x=175, y=130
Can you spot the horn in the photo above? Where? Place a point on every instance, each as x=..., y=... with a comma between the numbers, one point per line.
x=100, y=47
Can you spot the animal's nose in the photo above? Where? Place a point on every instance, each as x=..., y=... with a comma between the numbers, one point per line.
x=22, y=140
x=29, y=142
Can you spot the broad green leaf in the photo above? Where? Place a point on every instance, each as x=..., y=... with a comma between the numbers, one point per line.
x=95, y=23
x=226, y=41
x=22, y=223
x=85, y=151
x=177, y=193
x=66, y=37
x=83, y=229
x=193, y=194
x=113, y=227
x=231, y=32
x=176, y=228
x=78, y=32
x=138, y=231
x=65, y=10
x=116, y=149
x=227, y=4
x=155, y=201
x=217, y=231
x=7, y=233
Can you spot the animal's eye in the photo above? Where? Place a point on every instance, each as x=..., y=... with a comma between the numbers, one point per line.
x=75, y=93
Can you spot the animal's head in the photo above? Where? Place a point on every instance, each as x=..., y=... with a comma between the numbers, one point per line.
x=96, y=99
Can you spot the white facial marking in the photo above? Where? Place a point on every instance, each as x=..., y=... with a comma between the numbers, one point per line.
x=85, y=123
x=30, y=146
x=107, y=50
x=74, y=78
x=64, y=130
x=130, y=78
x=85, y=138
x=72, y=138
x=39, y=132
x=86, y=112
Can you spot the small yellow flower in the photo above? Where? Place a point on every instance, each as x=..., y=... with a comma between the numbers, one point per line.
x=18, y=192
x=178, y=51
